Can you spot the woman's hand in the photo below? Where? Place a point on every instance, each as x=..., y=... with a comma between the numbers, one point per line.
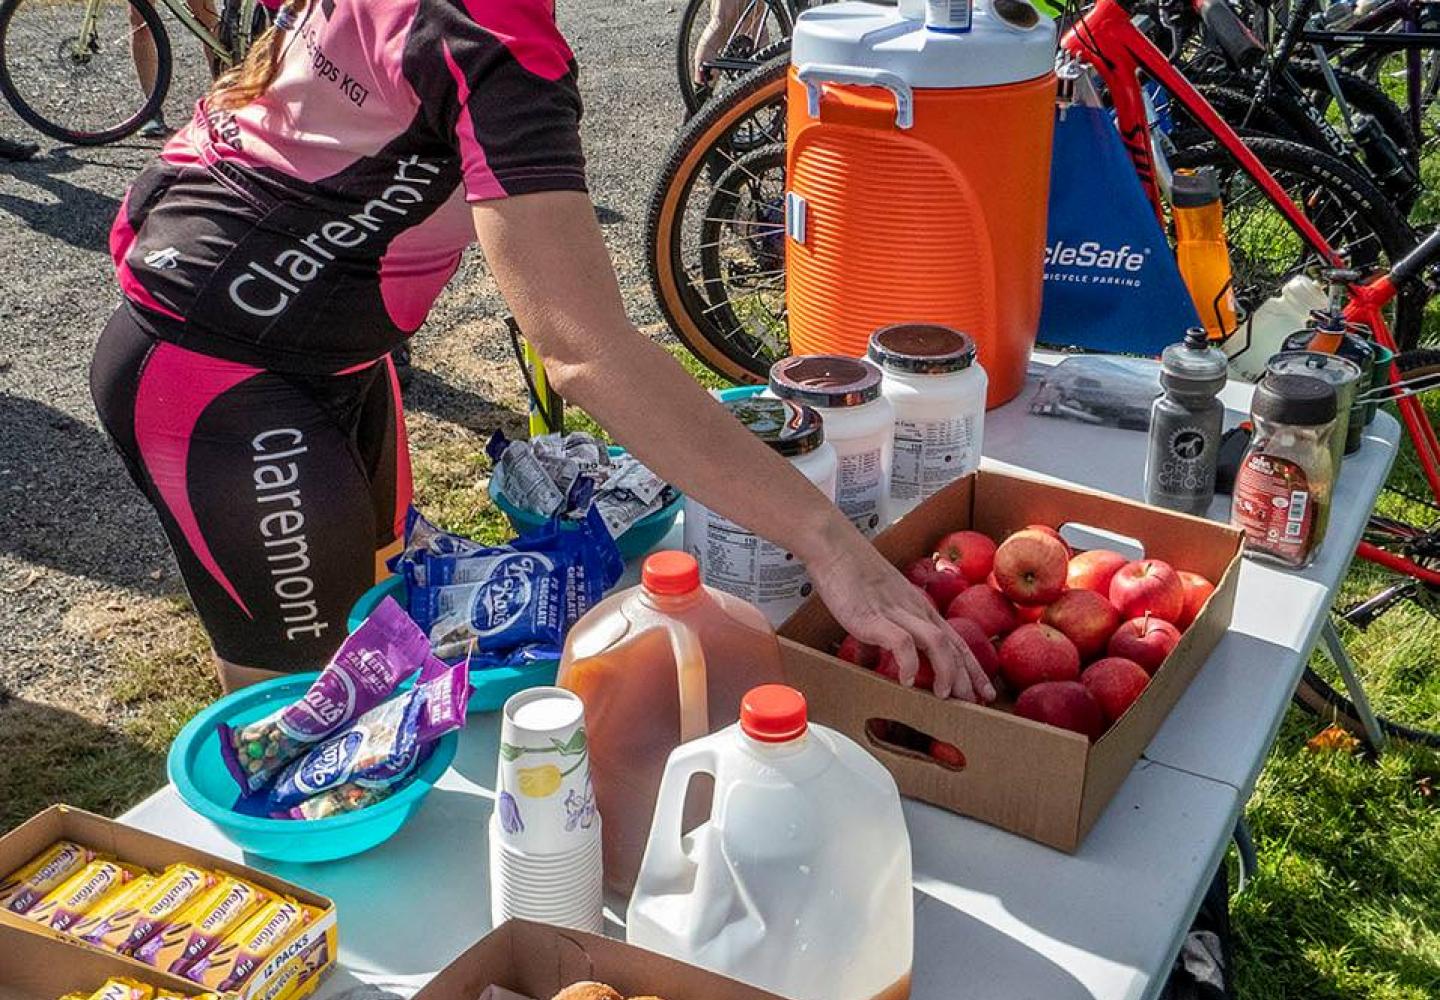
x=876, y=604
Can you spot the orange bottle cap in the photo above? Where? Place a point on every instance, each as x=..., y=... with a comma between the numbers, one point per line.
x=670, y=573
x=773, y=713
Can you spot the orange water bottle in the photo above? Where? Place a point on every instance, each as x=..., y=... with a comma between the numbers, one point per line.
x=1201, y=250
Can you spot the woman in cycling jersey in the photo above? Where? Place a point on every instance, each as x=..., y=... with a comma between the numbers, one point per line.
x=299, y=228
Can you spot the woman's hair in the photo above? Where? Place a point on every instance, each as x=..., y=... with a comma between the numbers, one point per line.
x=242, y=84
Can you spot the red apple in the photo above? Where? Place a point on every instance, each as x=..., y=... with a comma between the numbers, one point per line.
x=1086, y=619
x=1030, y=567
x=947, y=754
x=890, y=667
x=1115, y=682
x=920, y=572
x=1093, y=570
x=1146, y=640
x=947, y=583
x=1045, y=529
x=862, y=654
x=989, y=609
x=1064, y=704
x=1036, y=653
x=972, y=551
x=1027, y=613
x=1197, y=592
x=1147, y=587
x=974, y=636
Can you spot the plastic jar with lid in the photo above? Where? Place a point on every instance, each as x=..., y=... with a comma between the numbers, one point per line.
x=859, y=424
x=937, y=389
x=733, y=558
x=1283, y=486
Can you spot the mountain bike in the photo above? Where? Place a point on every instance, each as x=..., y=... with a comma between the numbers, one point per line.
x=68, y=71
x=746, y=29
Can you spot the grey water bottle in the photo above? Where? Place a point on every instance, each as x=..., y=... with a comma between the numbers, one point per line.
x=1185, y=425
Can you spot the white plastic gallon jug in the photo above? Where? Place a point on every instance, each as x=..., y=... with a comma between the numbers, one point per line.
x=1263, y=333
x=799, y=882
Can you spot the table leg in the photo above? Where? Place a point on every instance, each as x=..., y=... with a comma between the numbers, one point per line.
x=1335, y=648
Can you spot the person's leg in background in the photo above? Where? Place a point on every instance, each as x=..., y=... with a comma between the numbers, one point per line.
x=142, y=51
x=257, y=484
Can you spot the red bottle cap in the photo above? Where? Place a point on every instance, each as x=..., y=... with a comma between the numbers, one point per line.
x=670, y=574
x=773, y=713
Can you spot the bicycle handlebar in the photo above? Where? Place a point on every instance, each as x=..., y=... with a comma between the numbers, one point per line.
x=1233, y=37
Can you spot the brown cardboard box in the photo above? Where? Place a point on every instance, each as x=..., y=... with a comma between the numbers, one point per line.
x=36, y=967
x=537, y=960
x=293, y=972
x=1040, y=782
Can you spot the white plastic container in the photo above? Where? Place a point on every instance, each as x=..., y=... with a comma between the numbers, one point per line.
x=1263, y=333
x=733, y=558
x=937, y=389
x=859, y=424
x=799, y=882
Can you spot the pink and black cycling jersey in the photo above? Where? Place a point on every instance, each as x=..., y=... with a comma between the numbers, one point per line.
x=312, y=229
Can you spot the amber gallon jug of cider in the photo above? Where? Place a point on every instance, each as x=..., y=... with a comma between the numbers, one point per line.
x=657, y=666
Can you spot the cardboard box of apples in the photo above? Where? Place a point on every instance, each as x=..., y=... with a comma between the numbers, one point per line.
x=1089, y=649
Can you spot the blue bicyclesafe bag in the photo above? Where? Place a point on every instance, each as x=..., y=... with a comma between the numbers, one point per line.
x=1111, y=282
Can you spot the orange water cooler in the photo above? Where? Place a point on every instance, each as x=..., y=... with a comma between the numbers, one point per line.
x=918, y=170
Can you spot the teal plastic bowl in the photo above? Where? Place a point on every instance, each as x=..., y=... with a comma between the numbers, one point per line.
x=199, y=774
x=643, y=535
x=489, y=688
x=738, y=392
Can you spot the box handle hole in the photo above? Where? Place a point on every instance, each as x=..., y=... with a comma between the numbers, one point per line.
x=1082, y=537
x=897, y=737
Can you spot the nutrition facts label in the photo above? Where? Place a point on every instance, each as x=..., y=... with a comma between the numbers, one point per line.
x=740, y=563
x=931, y=454
x=858, y=489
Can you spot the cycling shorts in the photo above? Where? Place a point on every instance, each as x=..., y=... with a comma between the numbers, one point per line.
x=276, y=491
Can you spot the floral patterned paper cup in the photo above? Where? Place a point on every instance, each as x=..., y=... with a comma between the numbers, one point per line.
x=546, y=804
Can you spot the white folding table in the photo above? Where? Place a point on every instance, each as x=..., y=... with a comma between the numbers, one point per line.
x=997, y=917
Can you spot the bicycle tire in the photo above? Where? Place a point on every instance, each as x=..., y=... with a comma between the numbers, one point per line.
x=1369, y=208
x=99, y=137
x=1314, y=693
x=692, y=97
x=1364, y=96
x=690, y=160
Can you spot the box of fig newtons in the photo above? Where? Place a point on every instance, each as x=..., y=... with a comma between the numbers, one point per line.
x=520, y=960
x=292, y=930
x=1041, y=782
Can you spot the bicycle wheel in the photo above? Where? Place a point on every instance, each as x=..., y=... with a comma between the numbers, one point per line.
x=79, y=85
x=753, y=26
x=689, y=210
x=1386, y=619
x=1348, y=210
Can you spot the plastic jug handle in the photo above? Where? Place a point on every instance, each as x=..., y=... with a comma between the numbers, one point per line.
x=665, y=855
x=813, y=75
x=691, y=681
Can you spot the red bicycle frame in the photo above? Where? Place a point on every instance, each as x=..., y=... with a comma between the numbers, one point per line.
x=1105, y=38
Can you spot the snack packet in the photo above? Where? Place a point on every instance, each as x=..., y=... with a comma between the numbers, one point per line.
x=372, y=661
x=22, y=889
x=174, y=889
x=422, y=536
x=117, y=909
x=81, y=893
x=521, y=478
x=526, y=593
x=202, y=925
x=123, y=989
x=229, y=965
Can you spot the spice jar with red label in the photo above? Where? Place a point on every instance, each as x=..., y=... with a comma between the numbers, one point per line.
x=1282, y=490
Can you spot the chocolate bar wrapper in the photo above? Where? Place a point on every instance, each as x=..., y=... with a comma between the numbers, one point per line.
x=231, y=964
x=201, y=926
x=22, y=889
x=123, y=989
x=174, y=889
x=81, y=893
x=372, y=661
x=117, y=910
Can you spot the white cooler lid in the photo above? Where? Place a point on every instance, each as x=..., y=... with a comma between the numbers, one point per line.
x=877, y=37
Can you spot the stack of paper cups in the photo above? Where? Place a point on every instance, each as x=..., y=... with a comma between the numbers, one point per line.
x=545, y=861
